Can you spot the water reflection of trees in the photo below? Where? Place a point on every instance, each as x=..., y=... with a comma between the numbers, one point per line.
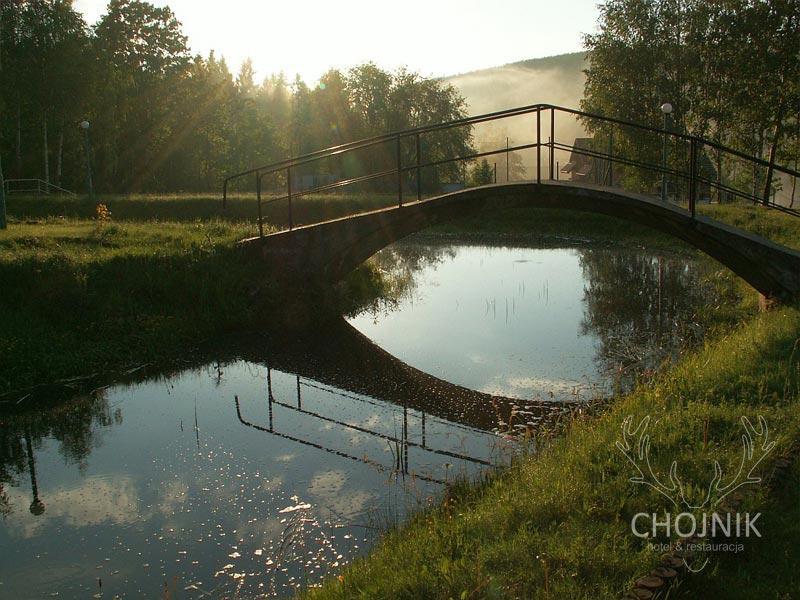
x=641, y=307
x=76, y=426
x=399, y=263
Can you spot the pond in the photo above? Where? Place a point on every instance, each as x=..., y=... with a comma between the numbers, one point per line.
x=270, y=462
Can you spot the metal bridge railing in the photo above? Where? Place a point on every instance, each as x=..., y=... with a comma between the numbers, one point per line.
x=403, y=442
x=746, y=177
x=33, y=186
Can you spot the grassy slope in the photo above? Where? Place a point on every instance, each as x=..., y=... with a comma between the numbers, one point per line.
x=768, y=569
x=78, y=299
x=185, y=207
x=558, y=525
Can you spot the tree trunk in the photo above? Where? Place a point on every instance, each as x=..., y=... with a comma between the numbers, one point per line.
x=2, y=198
x=19, y=139
x=772, y=152
x=759, y=153
x=44, y=144
x=60, y=156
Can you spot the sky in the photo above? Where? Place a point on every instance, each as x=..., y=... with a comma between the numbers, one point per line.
x=432, y=37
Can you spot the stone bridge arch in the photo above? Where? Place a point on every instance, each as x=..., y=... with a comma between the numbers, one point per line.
x=328, y=251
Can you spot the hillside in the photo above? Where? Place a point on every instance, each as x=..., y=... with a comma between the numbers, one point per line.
x=553, y=79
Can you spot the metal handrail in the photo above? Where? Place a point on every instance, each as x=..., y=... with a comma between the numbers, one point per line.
x=694, y=177
x=39, y=184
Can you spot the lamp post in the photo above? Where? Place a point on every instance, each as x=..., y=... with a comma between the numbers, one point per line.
x=87, y=145
x=37, y=506
x=666, y=109
x=2, y=199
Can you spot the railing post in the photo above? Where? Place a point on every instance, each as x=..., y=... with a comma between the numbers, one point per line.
x=258, y=197
x=611, y=156
x=538, y=145
x=299, y=399
x=224, y=194
x=692, y=175
x=419, y=171
x=289, y=195
x=552, y=139
x=770, y=169
x=399, y=175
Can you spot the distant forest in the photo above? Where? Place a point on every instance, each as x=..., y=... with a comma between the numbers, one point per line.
x=162, y=120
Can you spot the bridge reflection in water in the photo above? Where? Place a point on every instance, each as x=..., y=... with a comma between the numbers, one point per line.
x=265, y=430
x=342, y=357
x=399, y=445
x=366, y=380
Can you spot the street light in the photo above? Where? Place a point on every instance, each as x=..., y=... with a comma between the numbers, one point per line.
x=3, y=223
x=666, y=109
x=85, y=126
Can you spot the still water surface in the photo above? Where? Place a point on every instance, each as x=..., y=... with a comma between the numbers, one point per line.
x=278, y=461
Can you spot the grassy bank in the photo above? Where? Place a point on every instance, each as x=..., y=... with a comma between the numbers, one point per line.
x=80, y=298
x=558, y=525
x=519, y=222
x=241, y=208
x=560, y=224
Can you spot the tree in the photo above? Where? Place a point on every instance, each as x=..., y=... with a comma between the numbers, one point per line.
x=141, y=55
x=482, y=173
x=163, y=120
x=731, y=70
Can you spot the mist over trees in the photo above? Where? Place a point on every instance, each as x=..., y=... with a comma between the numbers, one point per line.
x=730, y=69
x=163, y=119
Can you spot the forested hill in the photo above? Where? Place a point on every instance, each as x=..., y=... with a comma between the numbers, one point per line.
x=554, y=79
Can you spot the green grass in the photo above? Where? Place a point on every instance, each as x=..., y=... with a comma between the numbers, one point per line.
x=78, y=299
x=557, y=525
x=768, y=567
x=81, y=298
x=317, y=207
x=552, y=225
x=192, y=207
x=771, y=224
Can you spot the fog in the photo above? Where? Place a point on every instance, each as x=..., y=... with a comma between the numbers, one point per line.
x=555, y=80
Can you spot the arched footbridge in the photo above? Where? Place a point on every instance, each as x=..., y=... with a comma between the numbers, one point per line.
x=330, y=249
